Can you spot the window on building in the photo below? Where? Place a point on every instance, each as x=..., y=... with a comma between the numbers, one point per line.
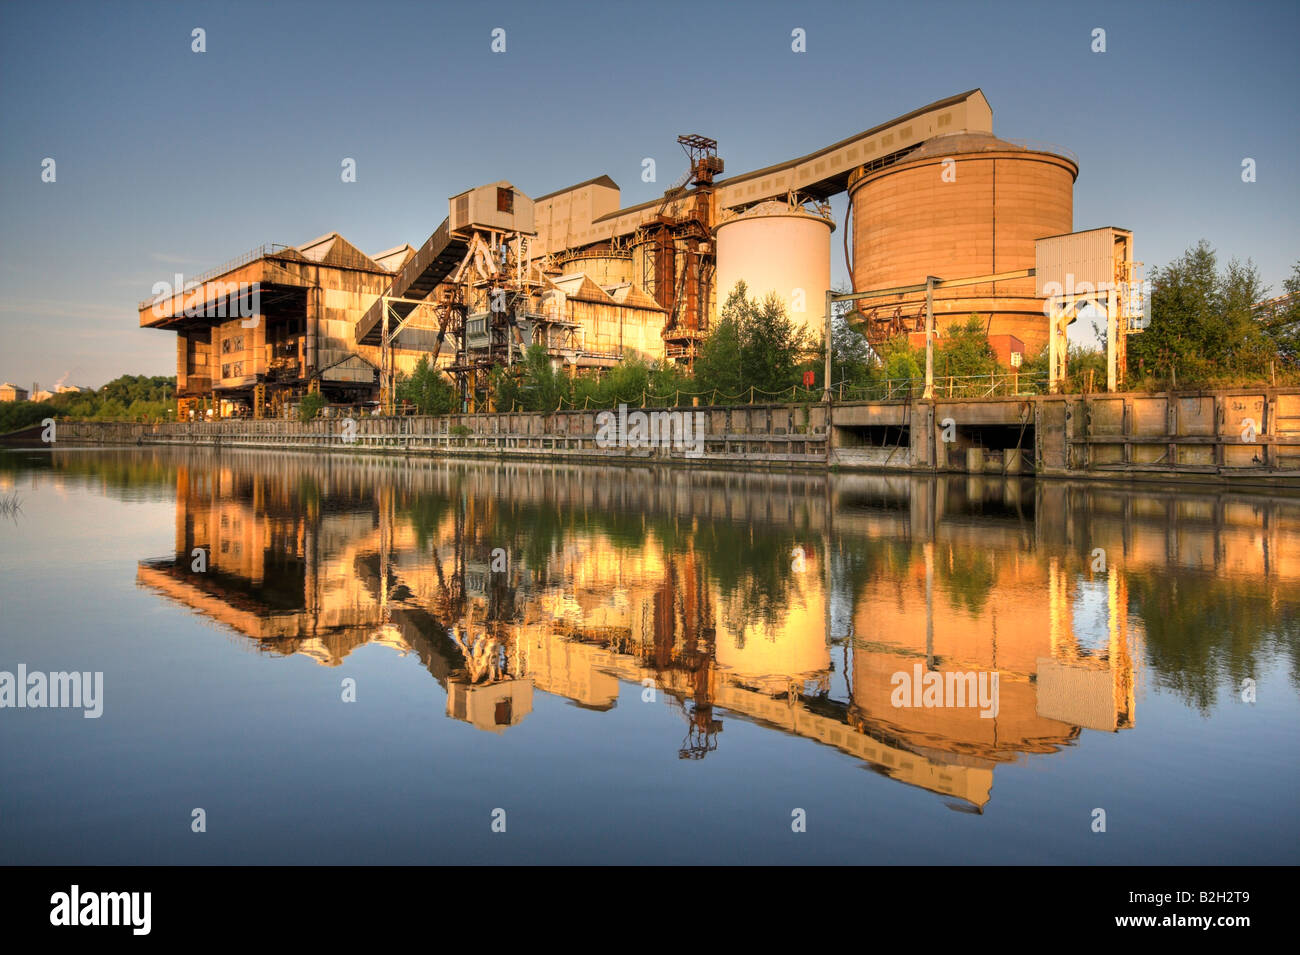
x=505, y=200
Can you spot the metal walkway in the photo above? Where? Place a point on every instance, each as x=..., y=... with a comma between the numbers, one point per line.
x=441, y=253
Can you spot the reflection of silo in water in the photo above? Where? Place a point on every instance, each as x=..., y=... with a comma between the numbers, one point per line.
x=602, y=265
x=776, y=247
x=977, y=616
x=770, y=655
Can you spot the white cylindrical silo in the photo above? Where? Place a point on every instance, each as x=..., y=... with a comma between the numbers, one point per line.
x=776, y=247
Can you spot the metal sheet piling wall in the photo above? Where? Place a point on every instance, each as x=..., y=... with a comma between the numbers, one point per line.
x=747, y=435
x=1220, y=434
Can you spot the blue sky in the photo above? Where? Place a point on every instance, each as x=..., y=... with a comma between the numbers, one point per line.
x=170, y=160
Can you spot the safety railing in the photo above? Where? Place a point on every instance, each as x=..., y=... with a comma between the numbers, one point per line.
x=268, y=248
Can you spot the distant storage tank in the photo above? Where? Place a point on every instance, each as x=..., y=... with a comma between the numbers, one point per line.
x=976, y=215
x=777, y=247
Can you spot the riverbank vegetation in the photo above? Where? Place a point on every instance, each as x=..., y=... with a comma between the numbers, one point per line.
x=1206, y=331
x=128, y=398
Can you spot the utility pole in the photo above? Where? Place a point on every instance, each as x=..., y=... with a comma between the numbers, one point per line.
x=1114, y=343
x=384, y=344
x=826, y=376
x=929, y=337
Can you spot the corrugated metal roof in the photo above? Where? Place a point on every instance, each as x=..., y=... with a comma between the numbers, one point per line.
x=791, y=165
x=394, y=258
x=598, y=181
x=500, y=184
x=578, y=285
x=937, y=104
x=626, y=293
x=332, y=249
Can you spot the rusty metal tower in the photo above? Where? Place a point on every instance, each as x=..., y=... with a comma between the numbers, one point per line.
x=684, y=259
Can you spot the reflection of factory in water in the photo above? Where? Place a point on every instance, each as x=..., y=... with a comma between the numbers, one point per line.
x=513, y=580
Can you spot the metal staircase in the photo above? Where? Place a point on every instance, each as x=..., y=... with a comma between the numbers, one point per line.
x=437, y=258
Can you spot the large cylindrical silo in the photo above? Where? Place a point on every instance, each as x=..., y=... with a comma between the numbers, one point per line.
x=602, y=266
x=776, y=247
x=961, y=205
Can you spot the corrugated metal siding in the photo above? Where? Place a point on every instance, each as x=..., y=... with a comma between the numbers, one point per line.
x=479, y=207
x=1084, y=256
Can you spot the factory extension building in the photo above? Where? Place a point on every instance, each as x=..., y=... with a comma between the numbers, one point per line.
x=931, y=193
x=240, y=353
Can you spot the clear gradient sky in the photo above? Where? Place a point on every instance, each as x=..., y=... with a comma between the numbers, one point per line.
x=170, y=160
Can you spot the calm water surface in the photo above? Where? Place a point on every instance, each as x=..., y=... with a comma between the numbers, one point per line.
x=638, y=666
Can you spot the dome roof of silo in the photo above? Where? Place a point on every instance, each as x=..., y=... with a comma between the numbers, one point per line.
x=774, y=207
x=964, y=143
x=948, y=144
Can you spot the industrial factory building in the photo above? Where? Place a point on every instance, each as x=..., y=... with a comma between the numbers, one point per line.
x=272, y=325
x=931, y=193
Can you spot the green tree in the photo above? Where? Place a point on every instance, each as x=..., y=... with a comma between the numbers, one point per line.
x=964, y=350
x=625, y=382
x=1203, y=326
x=111, y=409
x=428, y=389
x=852, y=360
x=507, y=393
x=15, y=415
x=312, y=404
x=536, y=386
x=1079, y=362
x=1283, y=326
x=543, y=387
x=669, y=378
x=900, y=361
x=771, y=347
x=718, y=364
x=133, y=397
x=753, y=345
